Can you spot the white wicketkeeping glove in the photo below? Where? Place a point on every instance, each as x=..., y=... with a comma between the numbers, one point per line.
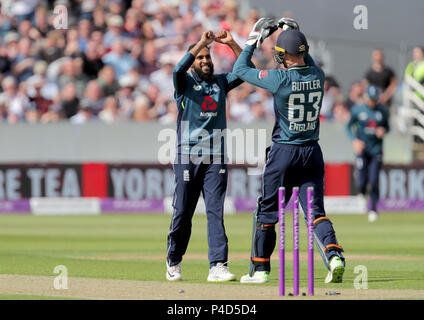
x=262, y=29
x=288, y=24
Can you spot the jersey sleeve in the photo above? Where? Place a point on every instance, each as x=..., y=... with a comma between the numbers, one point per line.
x=351, y=122
x=179, y=75
x=269, y=80
x=233, y=81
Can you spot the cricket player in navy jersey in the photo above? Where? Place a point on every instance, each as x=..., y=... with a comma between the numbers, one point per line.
x=201, y=101
x=366, y=128
x=295, y=158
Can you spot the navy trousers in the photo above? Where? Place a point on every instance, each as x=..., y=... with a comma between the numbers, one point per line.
x=191, y=179
x=292, y=166
x=367, y=173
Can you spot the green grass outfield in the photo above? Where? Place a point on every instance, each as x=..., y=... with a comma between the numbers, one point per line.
x=133, y=247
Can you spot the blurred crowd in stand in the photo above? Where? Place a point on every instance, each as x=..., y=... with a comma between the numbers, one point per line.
x=114, y=59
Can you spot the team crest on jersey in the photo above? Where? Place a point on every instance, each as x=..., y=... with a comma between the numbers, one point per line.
x=378, y=116
x=197, y=87
x=215, y=87
x=262, y=74
x=362, y=116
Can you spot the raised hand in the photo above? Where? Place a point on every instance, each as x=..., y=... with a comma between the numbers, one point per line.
x=224, y=37
x=262, y=29
x=207, y=38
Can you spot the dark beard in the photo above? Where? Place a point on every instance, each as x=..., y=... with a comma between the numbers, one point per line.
x=204, y=76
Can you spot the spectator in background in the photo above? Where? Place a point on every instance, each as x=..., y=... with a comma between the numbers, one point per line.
x=382, y=77
x=40, y=103
x=356, y=94
x=258, y=112
x=72, y=72
x=11, y=39
x=125, y=95
x=121, y=61
x=171, y=115
x=107, y=81
x=132, y=26
x=115, y=32
x=24, y=28
x=92, y=63
x=93, y=94
x=328, y=100
x=148, y=62
x=340, y=110
x=141, y=110
x=110, y=112
x=9, y=88
x=5, y=62
x=116, y=7
x=24, y=61
x=69, y=102
x=162, y=77
x=19, y=103
x=41, y=26
x=238, y=104
x=84, y=31
x=97, y=38
x=415, y=68
x=99, y=19
x=51, y=47
x=31, y=114
x=85, y=113
x=72, y=47
x=157, y=101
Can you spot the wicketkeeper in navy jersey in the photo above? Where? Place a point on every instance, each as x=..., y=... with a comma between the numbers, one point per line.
x=295, y=158
x=200, y=164
x=366, y=128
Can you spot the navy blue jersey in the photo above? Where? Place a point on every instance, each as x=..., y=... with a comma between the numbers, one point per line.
x=363, y=124
x=297, y=94
x=201, y=108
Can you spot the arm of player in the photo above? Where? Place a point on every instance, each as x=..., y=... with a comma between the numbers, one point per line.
x=349, y=125
x=179, y=75
x=357, y=144
x=225, y=37
x=269, y=80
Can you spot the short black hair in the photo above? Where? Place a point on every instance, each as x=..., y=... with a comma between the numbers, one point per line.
x=193, y=45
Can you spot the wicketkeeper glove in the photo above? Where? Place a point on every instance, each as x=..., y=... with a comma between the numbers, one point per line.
x=287, y=24
x=262, y=29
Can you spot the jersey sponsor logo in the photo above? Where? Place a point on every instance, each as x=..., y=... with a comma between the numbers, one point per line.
x=262, y=74
x=208, y=104
x=372, y=123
